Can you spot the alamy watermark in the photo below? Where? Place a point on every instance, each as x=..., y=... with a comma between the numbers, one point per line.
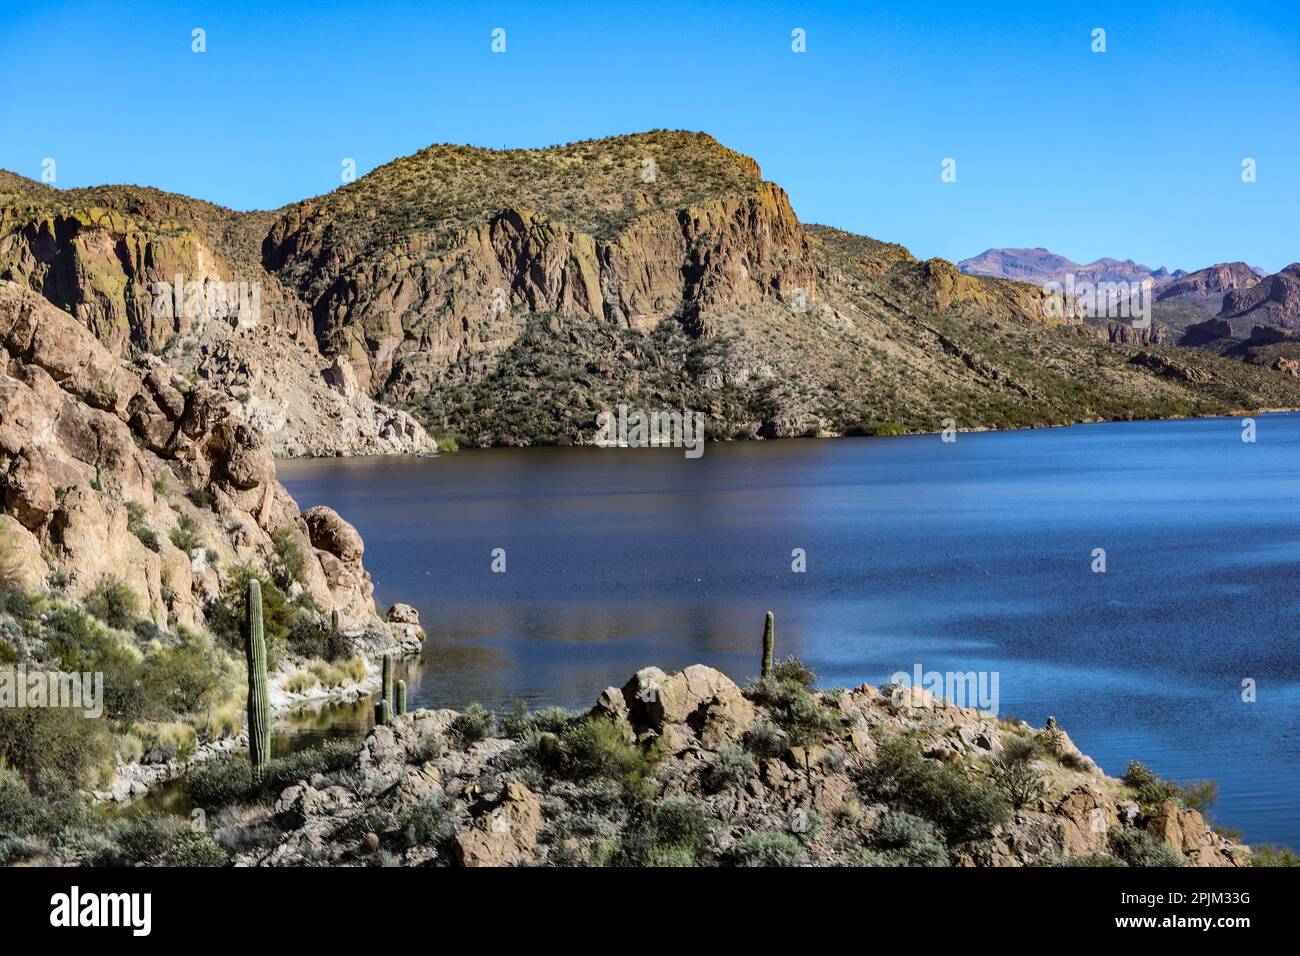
x=977, y=690
x=238, y=302
x=20, y=688
x=639, y=428
x=1109, y=300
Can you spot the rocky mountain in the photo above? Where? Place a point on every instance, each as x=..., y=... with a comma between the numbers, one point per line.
x=1273, y=300
x=507, y=297
x=1039, y=266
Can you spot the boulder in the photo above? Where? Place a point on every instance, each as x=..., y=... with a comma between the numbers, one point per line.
x=331, y=534
x=505, y=836
x=402, y=614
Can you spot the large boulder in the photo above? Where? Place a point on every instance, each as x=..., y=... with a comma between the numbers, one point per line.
x=331, y=534
x=505, y=836
x=706, y=699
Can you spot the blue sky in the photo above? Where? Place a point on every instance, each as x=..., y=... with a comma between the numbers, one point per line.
x=1133, y=153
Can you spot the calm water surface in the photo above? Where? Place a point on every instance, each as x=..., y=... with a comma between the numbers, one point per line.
x=970, y=556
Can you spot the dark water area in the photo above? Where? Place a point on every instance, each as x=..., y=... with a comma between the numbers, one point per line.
x=975, y=555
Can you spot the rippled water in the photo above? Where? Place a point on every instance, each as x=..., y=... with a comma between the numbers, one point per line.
x=969, y=556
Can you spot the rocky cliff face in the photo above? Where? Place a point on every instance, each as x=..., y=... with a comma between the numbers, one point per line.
x=101, y=461
x=1273, y=300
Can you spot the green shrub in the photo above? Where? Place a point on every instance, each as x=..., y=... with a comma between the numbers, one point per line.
x=904, y=779
x=1136, y=848
x=1149, y=789
x=769, y=848
x=472, y=725
x=193, y=848
x=56, y=739
x=186, y=534
x=1013, y=772
x=431, y=823
x=907, y=840
x=595, y=747
x=137, y=839
x=135, y=523
x=113, y=602
x=225, y=615
x=228, y=780
x=676, y=828
x=793, y=707
x=1269, y=854
x=794, y=670
x=733, y=767
x=287, y=566
x=522, y=722
x=765, y=740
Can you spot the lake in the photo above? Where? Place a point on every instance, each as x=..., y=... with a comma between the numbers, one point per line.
x=976, y=555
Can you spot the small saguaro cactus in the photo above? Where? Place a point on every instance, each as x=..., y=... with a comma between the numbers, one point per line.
x=259, y=702
x=769, y=642
x=387, y=691
x=400, y=705
x=383, y=713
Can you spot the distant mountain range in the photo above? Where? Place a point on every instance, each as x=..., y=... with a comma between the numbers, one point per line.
x=1041, y=266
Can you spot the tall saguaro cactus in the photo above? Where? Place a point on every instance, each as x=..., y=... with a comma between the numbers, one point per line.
x=769, y=643
x=388, y=683
x=399, y=707
x=259, y=701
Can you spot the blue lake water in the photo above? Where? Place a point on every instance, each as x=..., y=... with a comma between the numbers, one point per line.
x=975, y=555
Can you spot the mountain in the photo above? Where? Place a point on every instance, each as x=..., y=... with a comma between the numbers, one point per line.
x=508, y=297
x=1273, y=300
x=1040, y=266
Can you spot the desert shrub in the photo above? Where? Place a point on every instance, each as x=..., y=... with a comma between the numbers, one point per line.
x=225, y=614
x=793, y=707
x=1150, y=789
x=113, y=602
x=186, y=534
x=769, y=848
x=596, y=747
x=907, y=840
x=16, y=849
x=301, y=681
x=57, y=739
x=137, y=839
x=1269, y=854
x=431, y=823
x=794, y=670
x=472, y=725
x=137, y=525
x=732, y=767
x=1136, y=848
x=192, y=848
x=202, y=497
x=765, y=740
x=522, y=722
x=904, y=779
x=1200, y=795
x=1014, y=773
x=677, y=828
x=183, y=678
x=288, y=562
x=228, y=780
x=48, y=805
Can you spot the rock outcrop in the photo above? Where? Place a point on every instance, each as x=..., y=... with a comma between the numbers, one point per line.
x=106, y=465
x=422, y=793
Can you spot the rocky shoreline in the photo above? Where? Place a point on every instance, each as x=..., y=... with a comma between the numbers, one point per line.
x=689, y=769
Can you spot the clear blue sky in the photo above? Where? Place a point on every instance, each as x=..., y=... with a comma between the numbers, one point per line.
x=1132, y=153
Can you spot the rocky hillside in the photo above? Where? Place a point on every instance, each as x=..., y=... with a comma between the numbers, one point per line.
x=153, y=273
x=688, y=769
x=507, y=297
x=1273, y=300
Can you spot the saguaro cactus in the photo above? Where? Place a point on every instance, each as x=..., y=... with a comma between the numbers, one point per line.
x=769, y=642
x=400, y=705
x=383, y=713
x=387, y=691
x=259, y=702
